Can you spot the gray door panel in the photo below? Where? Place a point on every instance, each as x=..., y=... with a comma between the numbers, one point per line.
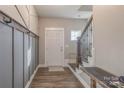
x=31, y=62
x=18, y=59
x=5, y=56
x=26, y=61
x=33, y=53
x=36, y=55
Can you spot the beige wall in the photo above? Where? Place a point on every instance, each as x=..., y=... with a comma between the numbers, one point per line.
x=33, y=22
x=109, y=38
x=25, y=14
x=68, y=25
x=28, y=13
x=30, y=17
x=12, y=12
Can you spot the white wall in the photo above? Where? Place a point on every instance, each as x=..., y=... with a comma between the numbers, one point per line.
x=109, y=38
x=68, y=25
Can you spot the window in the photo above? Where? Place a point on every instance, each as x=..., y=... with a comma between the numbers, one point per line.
x=75, y=34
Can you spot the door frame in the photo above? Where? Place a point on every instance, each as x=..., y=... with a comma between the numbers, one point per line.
x=55, y=29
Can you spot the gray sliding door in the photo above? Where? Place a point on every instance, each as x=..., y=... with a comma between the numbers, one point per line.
x=32, y=62
x=26, y=58
x=18, y=59
x=36, y=52
x=33, y=53
x=5, y=56
x=36, y=58
x=18, y=53
x=30, y=54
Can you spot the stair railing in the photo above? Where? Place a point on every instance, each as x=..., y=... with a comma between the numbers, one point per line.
x=79, y=54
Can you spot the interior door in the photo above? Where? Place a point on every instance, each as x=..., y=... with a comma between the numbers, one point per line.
x=26, y=64
x=36, y=52
x=30, y=54
x=54, y=47
x=18, y=59
x=5, y=56
x=33, y=54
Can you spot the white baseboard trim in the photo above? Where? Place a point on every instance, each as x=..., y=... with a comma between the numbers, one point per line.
x=83, y=82
x=42, y=65
x=29, y=82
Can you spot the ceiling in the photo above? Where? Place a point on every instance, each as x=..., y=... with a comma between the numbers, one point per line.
x=64, y=11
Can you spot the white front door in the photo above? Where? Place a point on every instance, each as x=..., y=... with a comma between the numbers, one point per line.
x=54, y=46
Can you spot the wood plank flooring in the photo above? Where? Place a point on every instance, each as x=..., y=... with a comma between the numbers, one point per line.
x=73, y=65
x=57, y=79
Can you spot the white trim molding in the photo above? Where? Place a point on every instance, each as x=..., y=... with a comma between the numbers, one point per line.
x=83, y=82
x=43, y=65
x=61, y=29
x=32, y=77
